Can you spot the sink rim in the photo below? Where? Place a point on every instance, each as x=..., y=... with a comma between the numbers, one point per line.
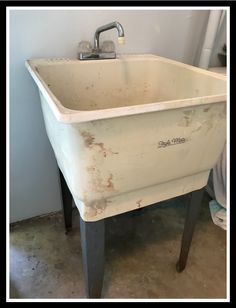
x=67, y=115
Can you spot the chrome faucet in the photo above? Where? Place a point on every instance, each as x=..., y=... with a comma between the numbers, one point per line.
x=109, y=26
x=96, y=52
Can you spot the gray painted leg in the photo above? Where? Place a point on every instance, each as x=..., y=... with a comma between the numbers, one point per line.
x=92, y=241
x=67, y=203
x=190, y=222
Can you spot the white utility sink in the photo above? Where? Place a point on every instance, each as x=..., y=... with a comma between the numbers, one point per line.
x=131, y=131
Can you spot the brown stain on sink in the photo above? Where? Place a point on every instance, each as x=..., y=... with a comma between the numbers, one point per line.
x=188, y=112
x=185, y=121
x=102, y=148
x=95, y=207
x=211, y=117
x=110, y=184
x=89, y=143
x=222, y=113
x=91, y=169
x=210, y=122
x=187, y=118
x=88, y=139
x=98, y=182
x=139, y=203
x=197, y=129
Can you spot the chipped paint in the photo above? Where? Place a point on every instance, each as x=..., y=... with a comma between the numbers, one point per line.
x=206, y=109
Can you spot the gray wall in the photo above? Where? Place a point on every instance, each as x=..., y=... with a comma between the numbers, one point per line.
x=34, y=185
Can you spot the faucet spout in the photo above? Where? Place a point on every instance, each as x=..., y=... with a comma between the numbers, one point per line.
x=109, y=26
x=96, y=53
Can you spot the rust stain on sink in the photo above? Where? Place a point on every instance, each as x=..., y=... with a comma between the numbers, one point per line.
x=96, y=207
x=102, y=148
x=98, y=182
x=110, y=184
x=89, y=143
x=88, y=139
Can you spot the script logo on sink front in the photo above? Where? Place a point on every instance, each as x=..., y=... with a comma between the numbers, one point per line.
x=173, y=141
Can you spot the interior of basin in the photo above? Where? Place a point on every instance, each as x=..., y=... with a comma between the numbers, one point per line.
x=103, y=84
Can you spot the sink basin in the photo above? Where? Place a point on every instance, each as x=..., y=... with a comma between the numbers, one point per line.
x=131, y=131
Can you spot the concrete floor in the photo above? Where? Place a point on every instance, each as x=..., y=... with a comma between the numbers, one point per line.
x=142, y=248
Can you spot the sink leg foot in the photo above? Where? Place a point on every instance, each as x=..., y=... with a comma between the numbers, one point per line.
x=190, y=222
x=92, y=241
x=67, y=203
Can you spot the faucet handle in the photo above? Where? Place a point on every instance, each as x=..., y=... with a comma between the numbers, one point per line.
x=108, y=46
x=84, y=46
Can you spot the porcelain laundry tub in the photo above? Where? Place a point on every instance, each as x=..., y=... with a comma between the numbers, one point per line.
x=132, y=131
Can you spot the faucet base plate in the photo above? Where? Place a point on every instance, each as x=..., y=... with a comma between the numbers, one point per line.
x=96, y=55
